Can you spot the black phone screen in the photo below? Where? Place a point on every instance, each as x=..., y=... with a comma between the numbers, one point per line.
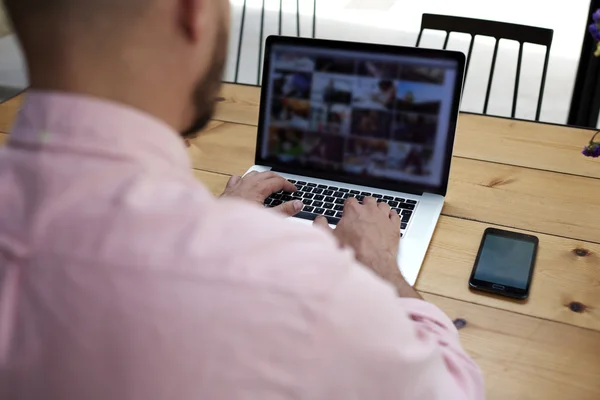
x=505, y=262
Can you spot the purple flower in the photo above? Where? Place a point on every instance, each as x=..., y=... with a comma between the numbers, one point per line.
x=595, y=32
x=596, y=16
x=593, y=150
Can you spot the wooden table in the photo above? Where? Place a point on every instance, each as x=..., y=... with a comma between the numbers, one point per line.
x=506, y=173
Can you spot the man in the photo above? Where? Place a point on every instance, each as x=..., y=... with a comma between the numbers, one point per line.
x=123, y=278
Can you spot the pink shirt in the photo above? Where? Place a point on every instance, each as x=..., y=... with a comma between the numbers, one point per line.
x=122, y=277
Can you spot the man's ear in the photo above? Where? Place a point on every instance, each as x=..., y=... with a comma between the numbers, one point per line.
x=191, y=17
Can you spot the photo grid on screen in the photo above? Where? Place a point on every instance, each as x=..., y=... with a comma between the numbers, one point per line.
x=355, y=115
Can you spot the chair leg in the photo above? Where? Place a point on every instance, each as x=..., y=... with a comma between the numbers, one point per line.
x=260, y=43
x=543, y=85
x=314, y=33
x=491, y=78
x=297, y=18
x=280, y=16
x=517, y=80
x=239, y=54
x=419, y=38
x=446, y=40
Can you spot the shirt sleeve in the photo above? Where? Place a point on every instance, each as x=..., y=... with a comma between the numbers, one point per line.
x=376, y=346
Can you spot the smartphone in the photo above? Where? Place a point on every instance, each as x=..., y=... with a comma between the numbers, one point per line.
x=505, y=263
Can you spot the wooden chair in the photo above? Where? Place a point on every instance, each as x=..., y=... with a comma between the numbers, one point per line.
x=262, y=39
x=497, y=30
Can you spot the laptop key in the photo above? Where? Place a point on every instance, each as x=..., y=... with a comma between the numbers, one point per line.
x=404, y=225
x=407, y=212
x=393, y=203
x=317, y=191
x=347, y=195
x=380, y=200
x=330, y=199
x=328, y=192
x=354, y=192
x=307, y=202
x=378, y=196
x=338, y=208
x=367, y=194
x=276, y=203
x=328, y=206
x=344, y=190
x=338, y=194
x=308, y=209
x=301, y=183
x=339, y=214
x=411, y=202
x=299, y=186
x=406, y=206
x=405, y=218
x=319, y=197
x=318, y=204
x=399, y=200
x=360, y=198
x=286, y=197
x=291, y=181
x=311, y=217
x=308, y=195
x=311, y=184
x=330, y=213
x=319, y=211
x=333, y=188
x=340, y=201
x=268, y=202
x=388, y=197
x=322, y=186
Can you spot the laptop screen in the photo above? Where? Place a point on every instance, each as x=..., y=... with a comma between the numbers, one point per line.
x=376, y=116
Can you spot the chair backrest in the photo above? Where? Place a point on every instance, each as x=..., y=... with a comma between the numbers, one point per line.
x=262, y=38
x=497, y=30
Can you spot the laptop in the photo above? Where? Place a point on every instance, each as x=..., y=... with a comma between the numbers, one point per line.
x=341, y=119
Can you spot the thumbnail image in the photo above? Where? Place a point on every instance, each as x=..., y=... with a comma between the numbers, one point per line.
x=415, y=128
x=366, y=156
x=419, y=97
x=374, y=93
x=293, y=62
x=410, y=159
x=292, y=84
x=285, y=144
x=333, y=119
x=378, y=69
x=292, y=113
x=323, y=148
x=423, y=74
x=371, y=123
x=332, y=88
x=335, y=65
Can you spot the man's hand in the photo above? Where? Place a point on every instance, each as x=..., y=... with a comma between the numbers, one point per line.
x=257, y=186
x=373, y=231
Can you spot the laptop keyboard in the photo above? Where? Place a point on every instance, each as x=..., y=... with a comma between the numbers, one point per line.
x=329, y=202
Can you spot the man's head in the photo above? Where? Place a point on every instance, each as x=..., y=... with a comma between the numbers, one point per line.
x=165, y=57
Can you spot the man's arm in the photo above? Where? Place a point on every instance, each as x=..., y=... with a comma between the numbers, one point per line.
x=375, y=345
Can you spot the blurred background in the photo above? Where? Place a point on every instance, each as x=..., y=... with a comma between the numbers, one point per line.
x=398, y=22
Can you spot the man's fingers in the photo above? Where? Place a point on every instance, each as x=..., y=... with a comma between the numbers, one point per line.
x=321, y=222
x=251, y=174
x=395, y=217
x=384, y=208
x=275, y=184
x=290, y=208
x=370, y=201
x=233, y=181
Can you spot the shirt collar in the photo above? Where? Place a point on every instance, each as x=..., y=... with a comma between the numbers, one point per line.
x=81, y=123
